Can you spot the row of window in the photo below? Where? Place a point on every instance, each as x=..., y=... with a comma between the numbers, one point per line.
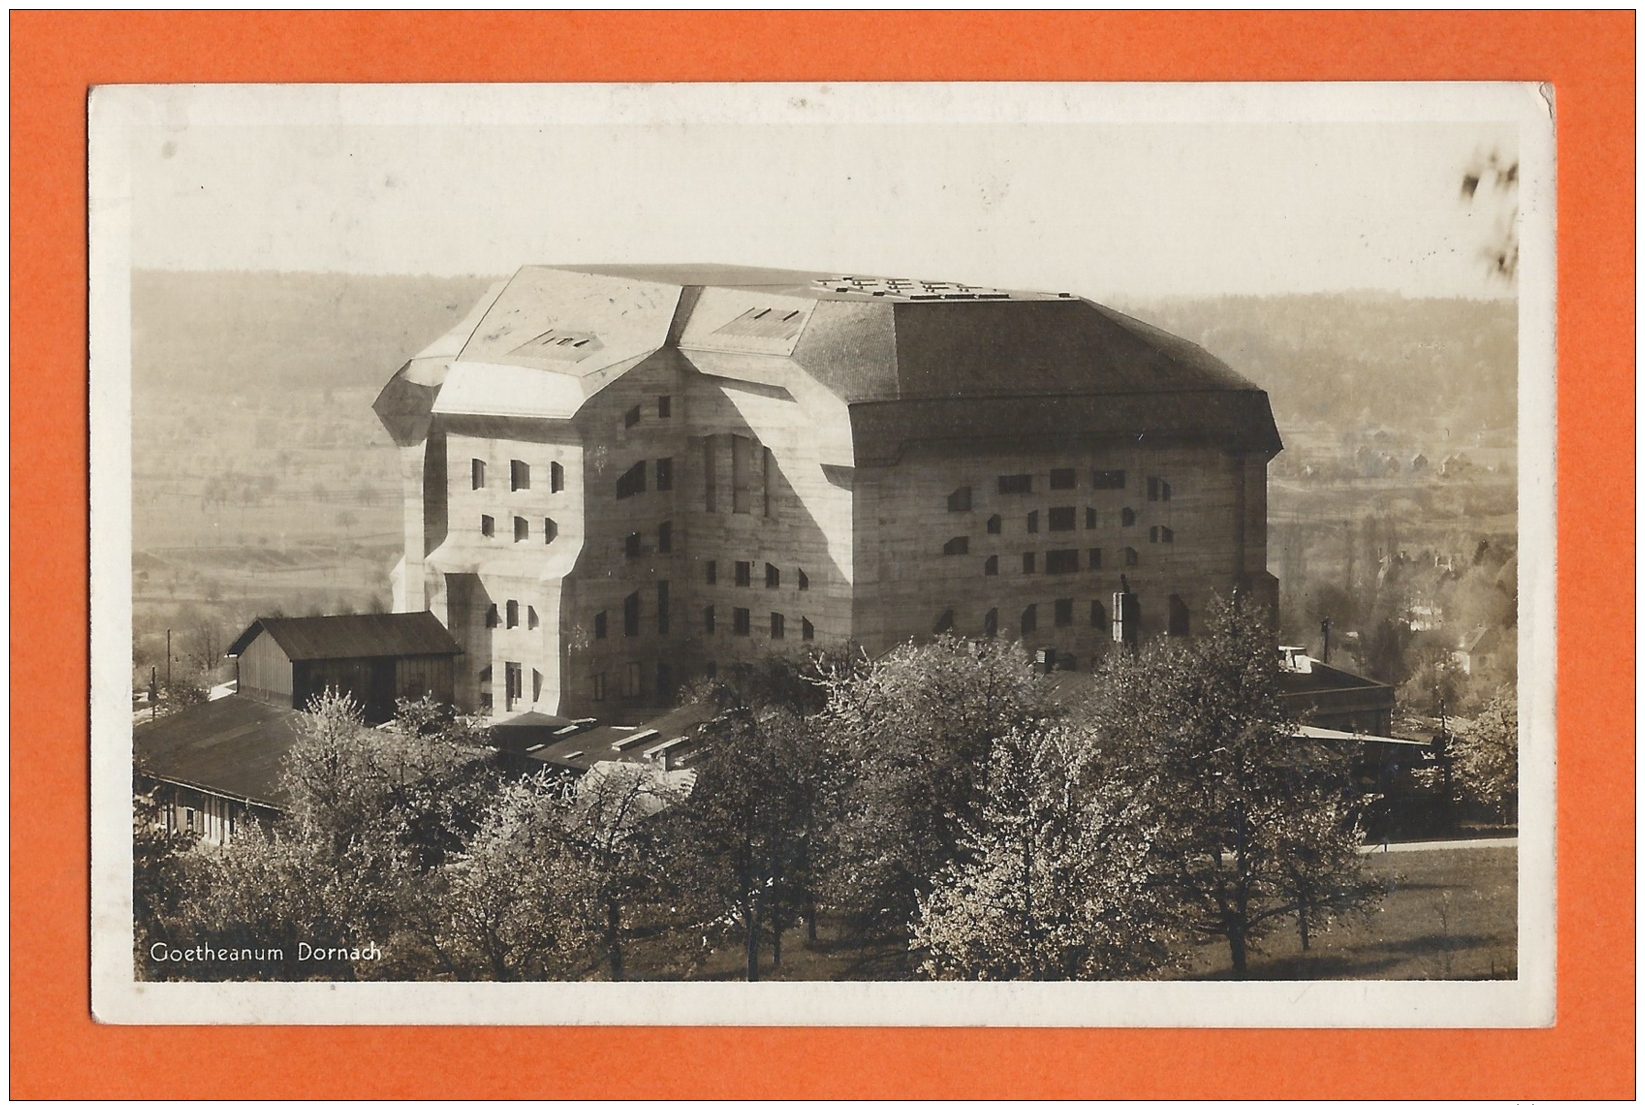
x=631, y=614
x=665, y=409
x=1060, y=519
x=632, y=482
x=1063, y=479
x=513, y=685
x=522, y=528
x=1127, y=612
x=519, y=475
x=1057, y=561
x=753, y=471
x=509, y=616
x=743, y=574
x=632, y=685
x=742, y=624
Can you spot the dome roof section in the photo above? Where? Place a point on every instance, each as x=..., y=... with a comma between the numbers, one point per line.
x=560, y=333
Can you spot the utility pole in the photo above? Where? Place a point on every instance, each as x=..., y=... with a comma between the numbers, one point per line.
x=154, y=694
x=168, y=660
x=1325, y=631
x=1445, y=765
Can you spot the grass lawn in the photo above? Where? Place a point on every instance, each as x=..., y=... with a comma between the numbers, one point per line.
x=1444, y=914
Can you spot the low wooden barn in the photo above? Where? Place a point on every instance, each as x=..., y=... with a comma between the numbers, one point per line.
x=376, y=658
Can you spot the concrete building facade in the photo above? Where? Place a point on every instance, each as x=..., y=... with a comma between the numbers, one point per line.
x=618, y=479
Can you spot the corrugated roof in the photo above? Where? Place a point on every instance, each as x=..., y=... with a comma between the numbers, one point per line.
x=233, y=746
x=341, y=636
x=592, y=746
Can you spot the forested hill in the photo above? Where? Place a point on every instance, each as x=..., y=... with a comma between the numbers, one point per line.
x=1361, y=360
x=251, y=332
x=1354, y=361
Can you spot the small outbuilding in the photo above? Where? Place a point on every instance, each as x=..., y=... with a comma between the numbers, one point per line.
x=375, y=658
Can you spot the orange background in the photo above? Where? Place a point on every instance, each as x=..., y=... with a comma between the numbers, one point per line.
x=58, y=1051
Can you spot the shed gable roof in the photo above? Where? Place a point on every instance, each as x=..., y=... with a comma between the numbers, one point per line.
x=353, y=636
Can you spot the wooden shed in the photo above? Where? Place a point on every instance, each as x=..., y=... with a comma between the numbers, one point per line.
x=376, y=658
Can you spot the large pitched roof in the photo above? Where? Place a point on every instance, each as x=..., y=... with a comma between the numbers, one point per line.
x=553, y=336
x=342, y=636
x=234, y=746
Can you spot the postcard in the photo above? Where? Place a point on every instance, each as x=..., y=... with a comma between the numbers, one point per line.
x=855, y=554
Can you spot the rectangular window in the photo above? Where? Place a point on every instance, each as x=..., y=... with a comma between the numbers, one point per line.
x=1108, y=479
x=477, y=473
x=632, y=546
x=665, y=682
x=1158, y=490
x=991, y=623
x=1027, y=563
x=739, y=621
x=665, y=537
x=1164, y=491
x=531, y=621
x=993, y=523
x=805, y=580
x=1153, y=535
x=1016, y=485
x=776, y=627
x=745, y=573
x=631, y=615
x=599, y=687
x=710, y=477
x=513, y=610
x=1060, y=518
x=599, y=626
x=551, y=530
x=1033, y=521
x=519, y=475
x=631, y=482
x=991, y=566
x=513, y=685
x=665, y=406
x=632, y=688
x=959, y=500
x=708, y=619
x=768, y=476
x=773, y=576
x=522, y=529
x=492, y=621
x=536, y=685
x=1130, y=557
x=1093, y=559
x=742, y=464
x=662, y=608
x=1090, y=517
x=1063, y=479
x=957, y=546
x=1062, y=561
x=713, y=572
x=488, y=526
x=631, y=417
x=1030, y=619
x=1099, y=616
x=556, y=477
x=1065, y=612
x=807, y=630
x=665, y=473
x=1166, y=535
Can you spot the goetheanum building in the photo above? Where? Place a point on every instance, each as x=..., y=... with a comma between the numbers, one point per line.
x=618, y=478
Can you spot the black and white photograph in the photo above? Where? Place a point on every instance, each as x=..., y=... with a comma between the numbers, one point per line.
x=823, y=554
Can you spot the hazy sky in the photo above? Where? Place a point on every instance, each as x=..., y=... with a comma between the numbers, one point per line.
x=1111, y=210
